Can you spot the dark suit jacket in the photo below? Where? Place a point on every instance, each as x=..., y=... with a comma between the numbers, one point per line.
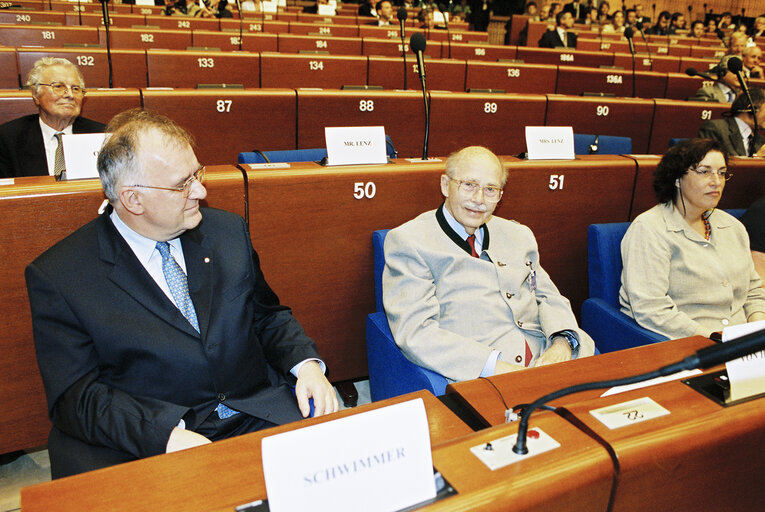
x=726, y=131
x=22, y=151
x=122, y=366
x=551, y=39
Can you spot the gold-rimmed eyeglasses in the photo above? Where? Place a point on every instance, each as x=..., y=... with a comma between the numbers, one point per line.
x=61, y=88
x=199, y=175
x=491, y=193
x=707, y=172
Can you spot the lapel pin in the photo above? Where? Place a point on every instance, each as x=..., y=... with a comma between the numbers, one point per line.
x=207, y=260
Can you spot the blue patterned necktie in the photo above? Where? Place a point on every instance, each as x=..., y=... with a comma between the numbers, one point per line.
x=179, y=289
x=178, y=284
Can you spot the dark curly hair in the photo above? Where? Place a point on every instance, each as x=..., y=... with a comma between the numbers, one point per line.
x=676, y=162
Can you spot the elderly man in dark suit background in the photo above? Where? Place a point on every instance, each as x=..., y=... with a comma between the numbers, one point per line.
x=154, y=327
x=735, y=130
x=30, y=145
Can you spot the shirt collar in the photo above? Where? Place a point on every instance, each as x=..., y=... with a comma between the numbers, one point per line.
x=143, y=247
x=460, y=229
x=744, y=128
x=675, y=221
x=49, y=133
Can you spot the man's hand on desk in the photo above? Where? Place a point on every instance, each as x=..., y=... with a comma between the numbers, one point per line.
x=503, y=367
x=559, y=351
x=312, y=383
x=180, y=439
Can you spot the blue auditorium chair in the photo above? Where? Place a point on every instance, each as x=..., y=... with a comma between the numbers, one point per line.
x=390, y=372
x=601, y=145
x=601, y=318
x=299, y=155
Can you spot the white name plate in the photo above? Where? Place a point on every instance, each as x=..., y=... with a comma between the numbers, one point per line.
x=499, y=453
x=629, y=413
x=550, y=142
x=355, y=145
x=80, y=154
x=379, y=460
x=270, y=165
x=746, y=375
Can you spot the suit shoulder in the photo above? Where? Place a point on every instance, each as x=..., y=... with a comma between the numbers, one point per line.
x=17, y=125
x=85, y=125
x=72, y=248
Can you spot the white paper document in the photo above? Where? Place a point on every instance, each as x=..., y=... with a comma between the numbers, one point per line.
x=658, y=380
x=629, y=413
x=377, y=461
x=746, y=375
x=80, y=154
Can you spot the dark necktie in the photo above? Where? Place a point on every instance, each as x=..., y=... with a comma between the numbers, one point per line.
x=471, y=242
x=58, y=162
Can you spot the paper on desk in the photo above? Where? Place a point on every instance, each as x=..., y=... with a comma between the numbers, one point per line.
x=378, y=460
x=652, y=382
x=747, y=374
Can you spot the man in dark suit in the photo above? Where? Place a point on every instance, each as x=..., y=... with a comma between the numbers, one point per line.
x=577, y=9
x=28, y=145
x=735, y=130
x=560, y=36
x=154, y=327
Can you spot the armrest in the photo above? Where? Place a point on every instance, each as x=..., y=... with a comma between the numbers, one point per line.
x=613, y=330
x=390, y=372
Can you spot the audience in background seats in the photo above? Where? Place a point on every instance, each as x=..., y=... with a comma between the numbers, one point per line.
x=758, y=28
x=560, y=36
x=725, y=88
x=751, y=60
x=737, y=43
x=688, y=269
x=697, y=29
x=661, y=28
x=617, y=24
x=677, y=23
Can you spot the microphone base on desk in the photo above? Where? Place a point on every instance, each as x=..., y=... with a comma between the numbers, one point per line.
x=716, y=387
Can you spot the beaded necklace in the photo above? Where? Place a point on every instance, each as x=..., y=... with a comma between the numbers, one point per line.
x=707, y=226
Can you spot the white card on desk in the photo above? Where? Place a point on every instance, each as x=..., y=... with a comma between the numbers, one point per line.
x=629, y=413
x=550, y=142
x=80, y=154
x=746, y=375
x=355, y=145
x=378, y=460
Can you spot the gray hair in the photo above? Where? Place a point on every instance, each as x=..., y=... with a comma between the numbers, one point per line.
x=118, y=161
x=41, y=65
x=458, y=159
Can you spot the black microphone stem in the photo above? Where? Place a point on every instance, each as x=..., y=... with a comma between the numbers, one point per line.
x=105, y=11
x=427, y=113
x=79, y=11
x=241, y=21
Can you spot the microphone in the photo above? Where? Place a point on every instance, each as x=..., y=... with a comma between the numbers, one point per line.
x=241, y=21
x=639, y=26
x=417, y=44
x=736, y=66
x=704, y=358
x=442, y=8
x=629, y=32
x=402, y=15
x=105, y=13
x=694, y=72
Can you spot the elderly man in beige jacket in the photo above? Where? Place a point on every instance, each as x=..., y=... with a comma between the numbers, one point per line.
x=464, y=292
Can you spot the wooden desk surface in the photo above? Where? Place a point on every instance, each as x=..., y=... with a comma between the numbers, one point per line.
x=527, y=385
x=701, y=456
x=215, y=477
x=577, y=476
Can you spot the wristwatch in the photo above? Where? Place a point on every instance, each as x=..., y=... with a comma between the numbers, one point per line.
x=573, y=343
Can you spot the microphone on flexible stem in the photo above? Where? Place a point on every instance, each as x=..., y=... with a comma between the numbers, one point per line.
x=105, y=12
x=402, y=15
x=704, y=358
x=736, y=66
x=629, y=32
x=241, y=21
x=79, y=11
x=417, y=44
x=695, y=72
x=442, y=8
x=639, y=26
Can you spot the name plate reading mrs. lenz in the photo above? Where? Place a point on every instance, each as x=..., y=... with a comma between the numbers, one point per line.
x=550, y=142
x=376, y=461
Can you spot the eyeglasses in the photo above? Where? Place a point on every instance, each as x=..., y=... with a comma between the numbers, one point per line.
x=491, y=193
x=706, y=172
x=60, y=88
x=199, y=175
